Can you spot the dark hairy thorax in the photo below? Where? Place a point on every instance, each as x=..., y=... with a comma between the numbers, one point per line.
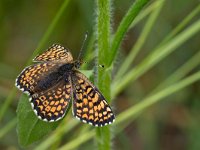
x=54, y=77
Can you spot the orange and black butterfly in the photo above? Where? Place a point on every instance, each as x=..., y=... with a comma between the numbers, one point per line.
x=54, y=81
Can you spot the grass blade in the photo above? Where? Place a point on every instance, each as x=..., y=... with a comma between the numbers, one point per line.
x=63, y=129
x=180, y=72
x=137, y=47
x=158, y=54
x=135, y=8
x=8, y=127
x=78, y=141
x=149, y=100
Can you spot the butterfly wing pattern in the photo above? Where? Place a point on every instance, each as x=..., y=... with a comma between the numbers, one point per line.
x=52, y=104
x=31, y=75
x=55, y=53
x=54, y=81
x=89, y=104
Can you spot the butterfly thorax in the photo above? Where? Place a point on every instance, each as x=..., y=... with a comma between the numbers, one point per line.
x=65, y=68
x=61, y=73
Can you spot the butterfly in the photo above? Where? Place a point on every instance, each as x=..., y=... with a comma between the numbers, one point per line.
x=54, y=82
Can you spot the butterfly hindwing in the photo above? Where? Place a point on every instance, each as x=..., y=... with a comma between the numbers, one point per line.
x=89, y=104
x=55, y=53
x=52, y=104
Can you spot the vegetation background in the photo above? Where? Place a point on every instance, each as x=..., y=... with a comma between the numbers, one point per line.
x=153, y=81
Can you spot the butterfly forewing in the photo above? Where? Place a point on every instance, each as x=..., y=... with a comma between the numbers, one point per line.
x=31, y=75
x=89, y=104
x=52, y=104
x=55, y=53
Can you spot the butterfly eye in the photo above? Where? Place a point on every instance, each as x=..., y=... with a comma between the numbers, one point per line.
x=77, y=64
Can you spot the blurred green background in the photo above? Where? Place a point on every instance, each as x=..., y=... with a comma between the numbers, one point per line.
x=171, y=124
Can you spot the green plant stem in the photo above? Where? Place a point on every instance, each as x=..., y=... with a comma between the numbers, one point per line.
x=124, y=26
x=103, y=135
x=157, y=55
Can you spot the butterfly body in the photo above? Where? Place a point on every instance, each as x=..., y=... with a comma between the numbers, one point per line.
x=61, y=73
x=54, y=81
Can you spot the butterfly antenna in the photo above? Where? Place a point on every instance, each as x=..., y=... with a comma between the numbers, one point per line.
x=85, y=38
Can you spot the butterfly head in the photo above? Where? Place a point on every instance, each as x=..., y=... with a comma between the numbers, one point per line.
x=78, y=63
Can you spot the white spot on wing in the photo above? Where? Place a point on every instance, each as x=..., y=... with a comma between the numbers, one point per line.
x=39, y=117
x=77, y=118
x=16, y=84
x=59, y=118
x=90, y=123
x=45, y=119
x=32, y=105
x=84, y=121
x=26, y=92
x=35, y=111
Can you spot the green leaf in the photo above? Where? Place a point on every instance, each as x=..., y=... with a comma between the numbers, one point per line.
x=30, y=129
